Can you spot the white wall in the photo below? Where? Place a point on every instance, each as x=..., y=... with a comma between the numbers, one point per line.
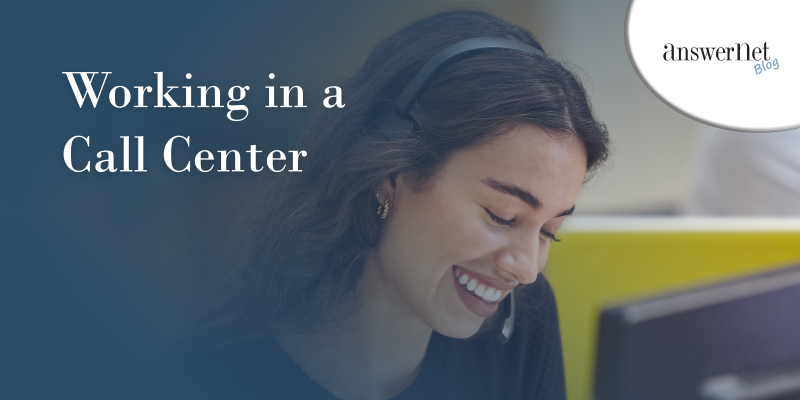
x=653, y=145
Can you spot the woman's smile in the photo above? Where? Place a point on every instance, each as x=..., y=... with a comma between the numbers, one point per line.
x=478, y=295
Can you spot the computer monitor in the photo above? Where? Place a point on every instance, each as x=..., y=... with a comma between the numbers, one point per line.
x=604, y=260
x=736, y=340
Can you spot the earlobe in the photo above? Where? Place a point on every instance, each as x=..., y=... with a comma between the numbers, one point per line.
x=385, y=196
x=387, y=188
x=383, y=209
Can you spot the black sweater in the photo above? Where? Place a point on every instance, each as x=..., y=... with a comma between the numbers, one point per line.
x=528, y=366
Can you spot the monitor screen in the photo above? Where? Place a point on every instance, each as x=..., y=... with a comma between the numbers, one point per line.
x=738, y=339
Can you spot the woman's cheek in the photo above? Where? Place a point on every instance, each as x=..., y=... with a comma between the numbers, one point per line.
x=476, y=239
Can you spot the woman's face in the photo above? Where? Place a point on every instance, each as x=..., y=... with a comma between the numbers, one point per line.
x=450, y=253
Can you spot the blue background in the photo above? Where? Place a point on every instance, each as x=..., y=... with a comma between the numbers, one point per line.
x=100, y=271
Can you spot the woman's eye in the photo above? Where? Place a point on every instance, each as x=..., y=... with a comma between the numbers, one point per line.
x=549, y=235
x=499, y=221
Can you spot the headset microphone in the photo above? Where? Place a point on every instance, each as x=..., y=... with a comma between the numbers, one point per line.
x=509, y=309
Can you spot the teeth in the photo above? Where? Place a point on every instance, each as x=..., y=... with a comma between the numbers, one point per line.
x=488, y=294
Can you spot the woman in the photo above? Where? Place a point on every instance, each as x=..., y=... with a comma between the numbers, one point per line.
x=422, y=218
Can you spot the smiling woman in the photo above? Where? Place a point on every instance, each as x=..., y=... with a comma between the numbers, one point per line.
x=473, y=151
x=489, y=215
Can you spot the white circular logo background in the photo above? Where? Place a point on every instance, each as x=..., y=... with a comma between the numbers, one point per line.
x=755, y=96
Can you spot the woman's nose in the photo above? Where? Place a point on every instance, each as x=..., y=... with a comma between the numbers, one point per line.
x=521, y=259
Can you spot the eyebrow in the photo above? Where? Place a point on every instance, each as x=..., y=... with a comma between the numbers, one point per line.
x=520, y=193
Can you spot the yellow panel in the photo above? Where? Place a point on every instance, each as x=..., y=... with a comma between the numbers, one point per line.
x=590, y=269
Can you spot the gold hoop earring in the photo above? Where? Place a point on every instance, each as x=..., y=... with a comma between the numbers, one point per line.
x=385, y=209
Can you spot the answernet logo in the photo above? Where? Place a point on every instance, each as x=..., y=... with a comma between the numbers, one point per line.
x=722, y=54
x=731, y=64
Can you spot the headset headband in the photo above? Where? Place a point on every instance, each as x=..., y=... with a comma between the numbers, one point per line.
x=396, y=119
x=409, y=95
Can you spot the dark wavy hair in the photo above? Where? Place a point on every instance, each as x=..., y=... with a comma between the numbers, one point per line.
x=311, y=233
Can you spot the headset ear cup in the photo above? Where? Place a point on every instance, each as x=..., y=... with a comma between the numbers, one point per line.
x=393, y=126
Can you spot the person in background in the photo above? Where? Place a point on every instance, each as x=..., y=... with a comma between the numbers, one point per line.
x=743, y=173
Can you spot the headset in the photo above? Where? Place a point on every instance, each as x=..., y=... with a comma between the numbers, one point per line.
x=394, y=122
x=505, y=329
